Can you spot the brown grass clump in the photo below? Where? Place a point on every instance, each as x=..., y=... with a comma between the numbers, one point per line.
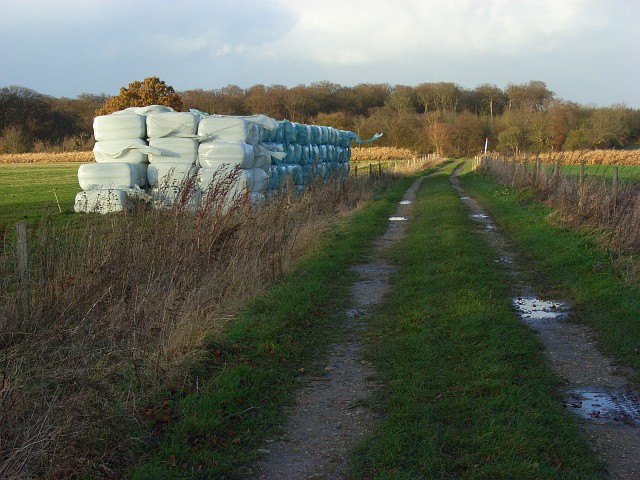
x=381, y=153
x=594, y=157
x=46, y=157
x=117, y=307
x=612, y=212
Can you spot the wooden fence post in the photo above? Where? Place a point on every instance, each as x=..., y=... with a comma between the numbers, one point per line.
x=22, y=251
x=616, y=180
x=371, y=170
x=581, y=186
x=355, y=170
x=379, y=167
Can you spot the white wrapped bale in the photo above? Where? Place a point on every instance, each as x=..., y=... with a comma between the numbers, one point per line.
x=215, y=153
x=170, y=174
x=174, y=149
x=115, y=127
x=149, y=109
x=112, y=175
x=102, y=201
x=170, y=196
x=228, y=129
x=129, y=150
x=249, y=180
x=172, y=124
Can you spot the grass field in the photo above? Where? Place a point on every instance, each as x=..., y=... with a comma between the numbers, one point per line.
x=27, y=190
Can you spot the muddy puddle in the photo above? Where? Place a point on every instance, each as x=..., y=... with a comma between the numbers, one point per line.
x=604, y=405
x=593, y=390
x=532, y=308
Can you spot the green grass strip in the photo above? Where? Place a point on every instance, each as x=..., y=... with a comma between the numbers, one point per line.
x=467, y=392
x=250, y=373
x=27, y=191
x=572, y=265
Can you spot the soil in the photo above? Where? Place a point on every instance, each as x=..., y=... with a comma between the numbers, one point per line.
x=330, y=414
x=596, y=391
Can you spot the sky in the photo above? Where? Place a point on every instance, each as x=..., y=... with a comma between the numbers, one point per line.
x=586, y=51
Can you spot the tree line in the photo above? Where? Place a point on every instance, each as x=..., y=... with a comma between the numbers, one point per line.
x=440, y=117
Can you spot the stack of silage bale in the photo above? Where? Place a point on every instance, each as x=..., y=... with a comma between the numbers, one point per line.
x=187, y=152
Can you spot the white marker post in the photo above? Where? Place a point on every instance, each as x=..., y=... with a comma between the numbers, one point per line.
x=486, y=144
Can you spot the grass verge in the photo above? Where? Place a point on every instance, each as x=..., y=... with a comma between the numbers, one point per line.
x=468, y=394
x=604, y=290
x=237, y=393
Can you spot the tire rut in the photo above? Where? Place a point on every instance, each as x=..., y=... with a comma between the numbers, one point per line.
x=330, y=414
x=606, y=406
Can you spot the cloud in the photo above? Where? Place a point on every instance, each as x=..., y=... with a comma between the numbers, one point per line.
x=366, y=32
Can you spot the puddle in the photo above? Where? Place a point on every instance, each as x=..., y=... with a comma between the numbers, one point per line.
x=481, y=216
x=605, y=405
x=504, y=260
x=533, y=308
x=356, y=312
x=405, y=202
x=490, y=226
x=464, y=197
x=397, y=219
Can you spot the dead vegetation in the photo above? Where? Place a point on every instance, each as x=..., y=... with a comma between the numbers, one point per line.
x=381, y=153
x=593, y=157
x=610, y=210
x=117, y=307
x=47, y=157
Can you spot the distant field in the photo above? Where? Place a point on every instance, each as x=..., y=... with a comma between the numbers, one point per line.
x=63, y=157
x=27, y=190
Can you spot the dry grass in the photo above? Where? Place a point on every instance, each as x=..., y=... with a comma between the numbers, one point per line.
x=46, y=157
x=381, y=153
x=612, y=213
x=118, y=305
x=595, y=157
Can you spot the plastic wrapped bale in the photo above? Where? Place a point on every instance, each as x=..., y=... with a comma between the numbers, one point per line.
x=324, y=135
x=170, y=174
x=171, y=196
x=305, y=155
x=344, y=139
x=228, y=129
x=303, y=134
x=323, y=153
x=112, y=175
x=249, y=180
x=215, y=153
x=172, y=124
x=116, y=127
x=148, y=110
x=291, y=173
x=289, y=132
x=294, y=153
x=102, y=200
x=174, y=149
x=314, y=154
x=264, y=157
x=316, y=135
x=129, y=150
